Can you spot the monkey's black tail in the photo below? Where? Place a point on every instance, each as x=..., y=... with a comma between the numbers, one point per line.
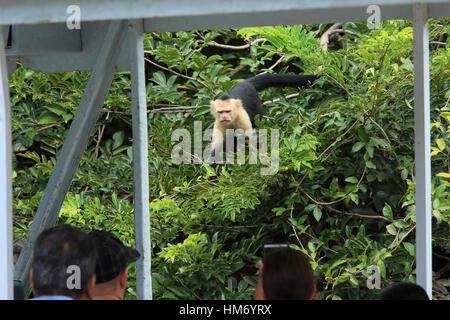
x=264, y=81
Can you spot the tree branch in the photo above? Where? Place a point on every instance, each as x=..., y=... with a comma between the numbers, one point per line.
x=325, y=38
x=278, y=99
x=358, y=214
x=226, y=46
x=275, y=64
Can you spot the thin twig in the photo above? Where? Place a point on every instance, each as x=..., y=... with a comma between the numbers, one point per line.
x=47, y=127
x=438, y=93
x=176, y=73
x=187, y=288
x=338, y=139
x=340, y=85
x=230, y=47
x=404, y=236
x=293, y=227
x=237, y=69
x=358, y=214
x=438, y=43
x=446, y=104
x=275, y=64
x=380, y=128
x=100, y=135
x=290, y=96
x=335, y=201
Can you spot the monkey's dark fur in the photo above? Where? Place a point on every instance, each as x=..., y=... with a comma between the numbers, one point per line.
x=247, y=90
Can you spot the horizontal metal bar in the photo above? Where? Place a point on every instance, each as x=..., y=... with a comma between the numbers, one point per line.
x=260, y=12
x=54, y=48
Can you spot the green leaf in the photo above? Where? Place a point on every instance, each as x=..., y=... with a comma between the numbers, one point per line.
x=333, y=185
x=118, y=139
x=444, y=175
x=410, y=248
x=380, y=142
x=401, y=224
x=302, y=219
x=351, y=180
x=317, y=213
x=337, y=263
x=382, y=268
x=391, y=229
x=48, y=117
x=354, y=281
x=446, y=116
x=201, y=110
x=311, y=246
x=159, y=78
x=441, y=144
x=387, y=212
x=358, y=146
x=370, y=165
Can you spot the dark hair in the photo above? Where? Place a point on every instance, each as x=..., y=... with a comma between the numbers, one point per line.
x=224, y=97
x=404, y=291
x=288, y=275
x=54, y=251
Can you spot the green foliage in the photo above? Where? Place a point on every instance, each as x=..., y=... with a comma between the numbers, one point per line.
x=344, y=191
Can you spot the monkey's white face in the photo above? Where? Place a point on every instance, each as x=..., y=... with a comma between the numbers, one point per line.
x=224, y=111
x=225, y=115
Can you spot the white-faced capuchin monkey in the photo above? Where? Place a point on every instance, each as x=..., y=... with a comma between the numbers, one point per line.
x=238, y=108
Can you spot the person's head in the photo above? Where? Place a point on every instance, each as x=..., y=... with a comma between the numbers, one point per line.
x=288, y=275
x=112, y=265
x=404, y=291
x=63, y=263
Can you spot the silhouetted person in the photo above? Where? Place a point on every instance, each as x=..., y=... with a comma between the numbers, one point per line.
x=286, y=274
x=63, y=266
x=404, y=291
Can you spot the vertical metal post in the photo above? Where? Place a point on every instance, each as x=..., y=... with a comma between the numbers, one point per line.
x=6, y=236
x=140, y=160
x=90, y=106
x=422, y=147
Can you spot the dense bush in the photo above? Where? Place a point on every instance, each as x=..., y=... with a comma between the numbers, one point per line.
x=344, y=191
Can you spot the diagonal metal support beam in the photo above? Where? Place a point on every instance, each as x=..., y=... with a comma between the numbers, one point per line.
x=74, y=145
x=6, y=237
x=422, y=147
x=140, y=160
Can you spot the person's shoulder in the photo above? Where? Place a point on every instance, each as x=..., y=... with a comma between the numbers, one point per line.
x=52, y=298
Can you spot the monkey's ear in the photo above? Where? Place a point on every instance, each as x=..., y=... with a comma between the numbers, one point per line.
x=237, y=104
x=213, y=106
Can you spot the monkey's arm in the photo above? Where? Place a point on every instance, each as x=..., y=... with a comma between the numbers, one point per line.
x=217, y=142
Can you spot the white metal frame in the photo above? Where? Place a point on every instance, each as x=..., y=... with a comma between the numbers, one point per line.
x=6, y=236
x=62, y=51
x=422, y=147
x=77, y=138
x=140, y=161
